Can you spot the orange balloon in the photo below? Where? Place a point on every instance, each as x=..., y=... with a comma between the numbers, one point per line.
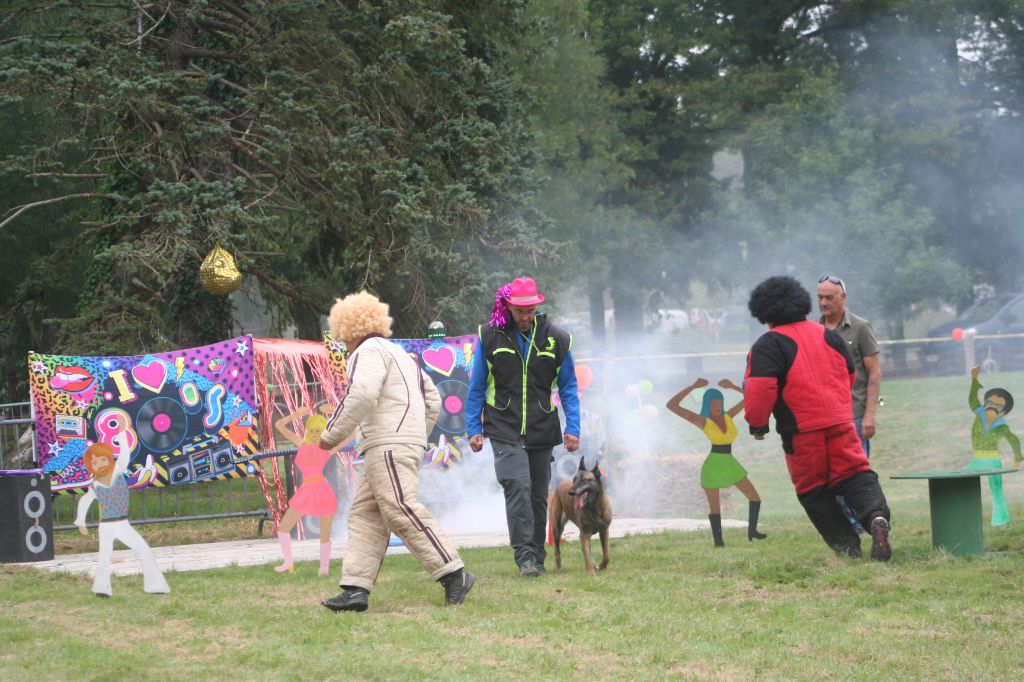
x=584, y=377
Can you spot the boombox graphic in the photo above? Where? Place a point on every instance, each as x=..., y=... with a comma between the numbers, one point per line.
x=202, y=460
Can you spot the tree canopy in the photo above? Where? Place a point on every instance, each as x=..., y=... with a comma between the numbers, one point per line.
x=329, y=146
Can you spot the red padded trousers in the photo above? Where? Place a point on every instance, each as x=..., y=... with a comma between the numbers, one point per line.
x=824, y=457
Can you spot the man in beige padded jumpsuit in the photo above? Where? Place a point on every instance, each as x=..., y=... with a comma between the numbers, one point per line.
x=394, y=405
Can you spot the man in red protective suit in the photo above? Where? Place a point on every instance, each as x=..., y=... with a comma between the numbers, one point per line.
x=802, y=373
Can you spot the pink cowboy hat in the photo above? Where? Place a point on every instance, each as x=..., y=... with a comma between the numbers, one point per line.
x=524, y=292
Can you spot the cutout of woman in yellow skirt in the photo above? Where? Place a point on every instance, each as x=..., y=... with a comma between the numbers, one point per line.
x=720, y=469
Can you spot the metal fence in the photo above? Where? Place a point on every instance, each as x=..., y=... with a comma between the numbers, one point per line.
x=947, y=356
x=234, y=498
x=17, y=437
x=899, y=359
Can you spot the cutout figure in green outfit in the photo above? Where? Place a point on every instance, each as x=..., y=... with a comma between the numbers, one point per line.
x=720, y=469
x=986, y=432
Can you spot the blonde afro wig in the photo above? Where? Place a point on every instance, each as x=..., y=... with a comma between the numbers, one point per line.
x=358, y=315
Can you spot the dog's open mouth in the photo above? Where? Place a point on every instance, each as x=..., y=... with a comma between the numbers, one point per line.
x=581, y=499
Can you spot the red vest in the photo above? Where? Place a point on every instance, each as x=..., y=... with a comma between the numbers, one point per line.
x=815, y=383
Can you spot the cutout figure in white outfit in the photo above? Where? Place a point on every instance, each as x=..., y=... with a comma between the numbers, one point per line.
x=110, y=487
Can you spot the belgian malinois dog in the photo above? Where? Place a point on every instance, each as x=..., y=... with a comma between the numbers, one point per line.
x=583, y=501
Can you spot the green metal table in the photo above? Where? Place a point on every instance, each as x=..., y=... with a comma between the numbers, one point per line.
x=955, y=500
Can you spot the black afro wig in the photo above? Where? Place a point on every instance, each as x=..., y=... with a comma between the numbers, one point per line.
x=779, y=300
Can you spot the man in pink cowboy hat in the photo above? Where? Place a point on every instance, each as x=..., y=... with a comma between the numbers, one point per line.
x=519, y=356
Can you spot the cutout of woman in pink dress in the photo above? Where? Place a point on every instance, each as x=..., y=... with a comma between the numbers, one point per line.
x=315, y=496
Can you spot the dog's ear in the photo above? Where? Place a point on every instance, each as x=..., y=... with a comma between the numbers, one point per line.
x=596, y=471
x=583, y=463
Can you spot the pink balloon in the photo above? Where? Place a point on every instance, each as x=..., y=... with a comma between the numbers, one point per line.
x=584, y=377
x=958, y=334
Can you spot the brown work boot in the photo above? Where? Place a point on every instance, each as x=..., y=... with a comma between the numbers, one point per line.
x=881, y=550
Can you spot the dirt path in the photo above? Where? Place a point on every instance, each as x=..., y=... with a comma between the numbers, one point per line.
x=255, y=552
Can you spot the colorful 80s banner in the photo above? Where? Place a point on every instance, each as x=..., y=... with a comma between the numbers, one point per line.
x=189, y=415
x=447, y=361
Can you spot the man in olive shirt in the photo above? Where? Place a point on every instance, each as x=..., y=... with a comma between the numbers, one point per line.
x=860, y=339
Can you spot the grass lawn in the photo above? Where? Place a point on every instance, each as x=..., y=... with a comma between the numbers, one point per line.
x=668, y=607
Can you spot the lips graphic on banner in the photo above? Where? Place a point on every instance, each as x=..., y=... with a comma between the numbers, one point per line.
x=71, y=379
x=440, y=359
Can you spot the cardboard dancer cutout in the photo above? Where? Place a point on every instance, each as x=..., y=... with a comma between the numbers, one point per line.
x=720, y=469
x=110, y=487
x=315, y=495
x=986, y=432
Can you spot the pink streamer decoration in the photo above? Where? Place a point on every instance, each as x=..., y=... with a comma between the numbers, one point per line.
x=499, y=316
x=296, y=373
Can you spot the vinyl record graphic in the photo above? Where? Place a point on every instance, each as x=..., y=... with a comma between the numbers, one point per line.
x=452, y=418
x=161, y=424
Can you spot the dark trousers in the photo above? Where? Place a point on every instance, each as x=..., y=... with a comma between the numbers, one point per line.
x=865, y=499
x=866, y=445
x=524, y=475
x=827, y=463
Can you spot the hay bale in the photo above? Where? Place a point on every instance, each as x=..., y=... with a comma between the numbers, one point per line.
x=651, y=486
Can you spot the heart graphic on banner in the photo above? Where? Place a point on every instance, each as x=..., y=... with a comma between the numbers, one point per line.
x=150, y=376
x=440, y=359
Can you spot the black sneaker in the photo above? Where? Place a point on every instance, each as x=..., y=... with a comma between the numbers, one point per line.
x=851, y=551
x=456, y=586
x=529, y=569
x=352, y=599
x=540, y=567
x=881, y=550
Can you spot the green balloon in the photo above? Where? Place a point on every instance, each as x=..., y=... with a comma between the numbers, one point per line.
x=645, y=387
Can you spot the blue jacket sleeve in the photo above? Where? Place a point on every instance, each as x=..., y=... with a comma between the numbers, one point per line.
x=568, y=394
x=477, y=387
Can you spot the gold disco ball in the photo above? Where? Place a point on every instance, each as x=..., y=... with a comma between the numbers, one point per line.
x=218, y=274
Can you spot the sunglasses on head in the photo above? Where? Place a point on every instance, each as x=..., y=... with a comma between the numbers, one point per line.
x=834, y=280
